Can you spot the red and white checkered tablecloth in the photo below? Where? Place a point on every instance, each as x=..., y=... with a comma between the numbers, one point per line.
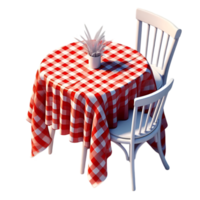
x=85, y=103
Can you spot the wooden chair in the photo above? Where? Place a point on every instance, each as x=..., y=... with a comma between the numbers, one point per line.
x=140, y=127
x=158, y=22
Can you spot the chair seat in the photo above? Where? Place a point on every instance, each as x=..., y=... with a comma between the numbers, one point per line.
x=157, y=76
x=123, y=129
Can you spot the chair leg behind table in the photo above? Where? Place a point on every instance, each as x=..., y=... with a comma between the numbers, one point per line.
x=52, y=133
x=83, y=153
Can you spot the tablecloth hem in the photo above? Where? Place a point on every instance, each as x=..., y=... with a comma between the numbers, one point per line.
x=34, y=156
x=97, y=185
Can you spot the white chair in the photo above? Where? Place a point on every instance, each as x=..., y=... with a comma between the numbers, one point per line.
x=140, y=127
x=158, y=22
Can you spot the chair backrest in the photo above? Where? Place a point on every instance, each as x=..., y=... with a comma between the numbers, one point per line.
x=166, y=27
x=154, y=102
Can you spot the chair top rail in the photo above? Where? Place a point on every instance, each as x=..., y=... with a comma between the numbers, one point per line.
x=159, y=95
x=147, y=99
x=158, y=22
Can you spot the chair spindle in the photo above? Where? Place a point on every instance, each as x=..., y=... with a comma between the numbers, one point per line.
x=164, y=52
x=158, y=48
x=143, y=108
x=153, y=45
x=155, y=111
x=146, y=41
x=148, y=117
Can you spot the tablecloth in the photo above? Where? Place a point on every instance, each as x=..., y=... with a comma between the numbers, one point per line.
x=85, y=103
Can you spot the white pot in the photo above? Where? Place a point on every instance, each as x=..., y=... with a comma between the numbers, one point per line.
x=94, y=62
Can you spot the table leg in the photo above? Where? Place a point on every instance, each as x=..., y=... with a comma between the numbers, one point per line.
x=83, y=153
x=52, y=133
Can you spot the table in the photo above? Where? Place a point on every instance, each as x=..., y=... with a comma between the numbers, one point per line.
x=85, y=103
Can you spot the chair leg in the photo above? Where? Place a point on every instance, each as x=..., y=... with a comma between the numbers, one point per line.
x=132, y=171
x=83, y=153
x=161, y=152
x=52, y=133
x=138, y=147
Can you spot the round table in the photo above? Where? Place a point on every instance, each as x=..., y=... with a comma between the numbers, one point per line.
x=84, y=102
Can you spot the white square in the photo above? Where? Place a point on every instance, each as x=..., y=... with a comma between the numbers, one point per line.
x=82, y=89
x=37, y=131
x=97, y=90
x=71, y=129
x=83, y=101
x=43, y=125
x=102, y=178
x=104, y=97
x=41, y=107
x=112, y=92
x=57, y=65
x=111, y=81
x=119, y=85
x=103, y=143
x=90, y=85
x=88, y=109
x=104, y=85
x=46, y=139
x=99, y=133
x=54, y=116
x=115, y=120
x=36, y=118
x=91, y=97
x=126, y=92
x=95, y=170
x=97, y=149
x=102, y=163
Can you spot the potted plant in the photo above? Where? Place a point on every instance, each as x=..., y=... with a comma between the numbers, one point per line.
x=94, y=47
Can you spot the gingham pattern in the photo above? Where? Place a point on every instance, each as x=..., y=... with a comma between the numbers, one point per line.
x=85, y=103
